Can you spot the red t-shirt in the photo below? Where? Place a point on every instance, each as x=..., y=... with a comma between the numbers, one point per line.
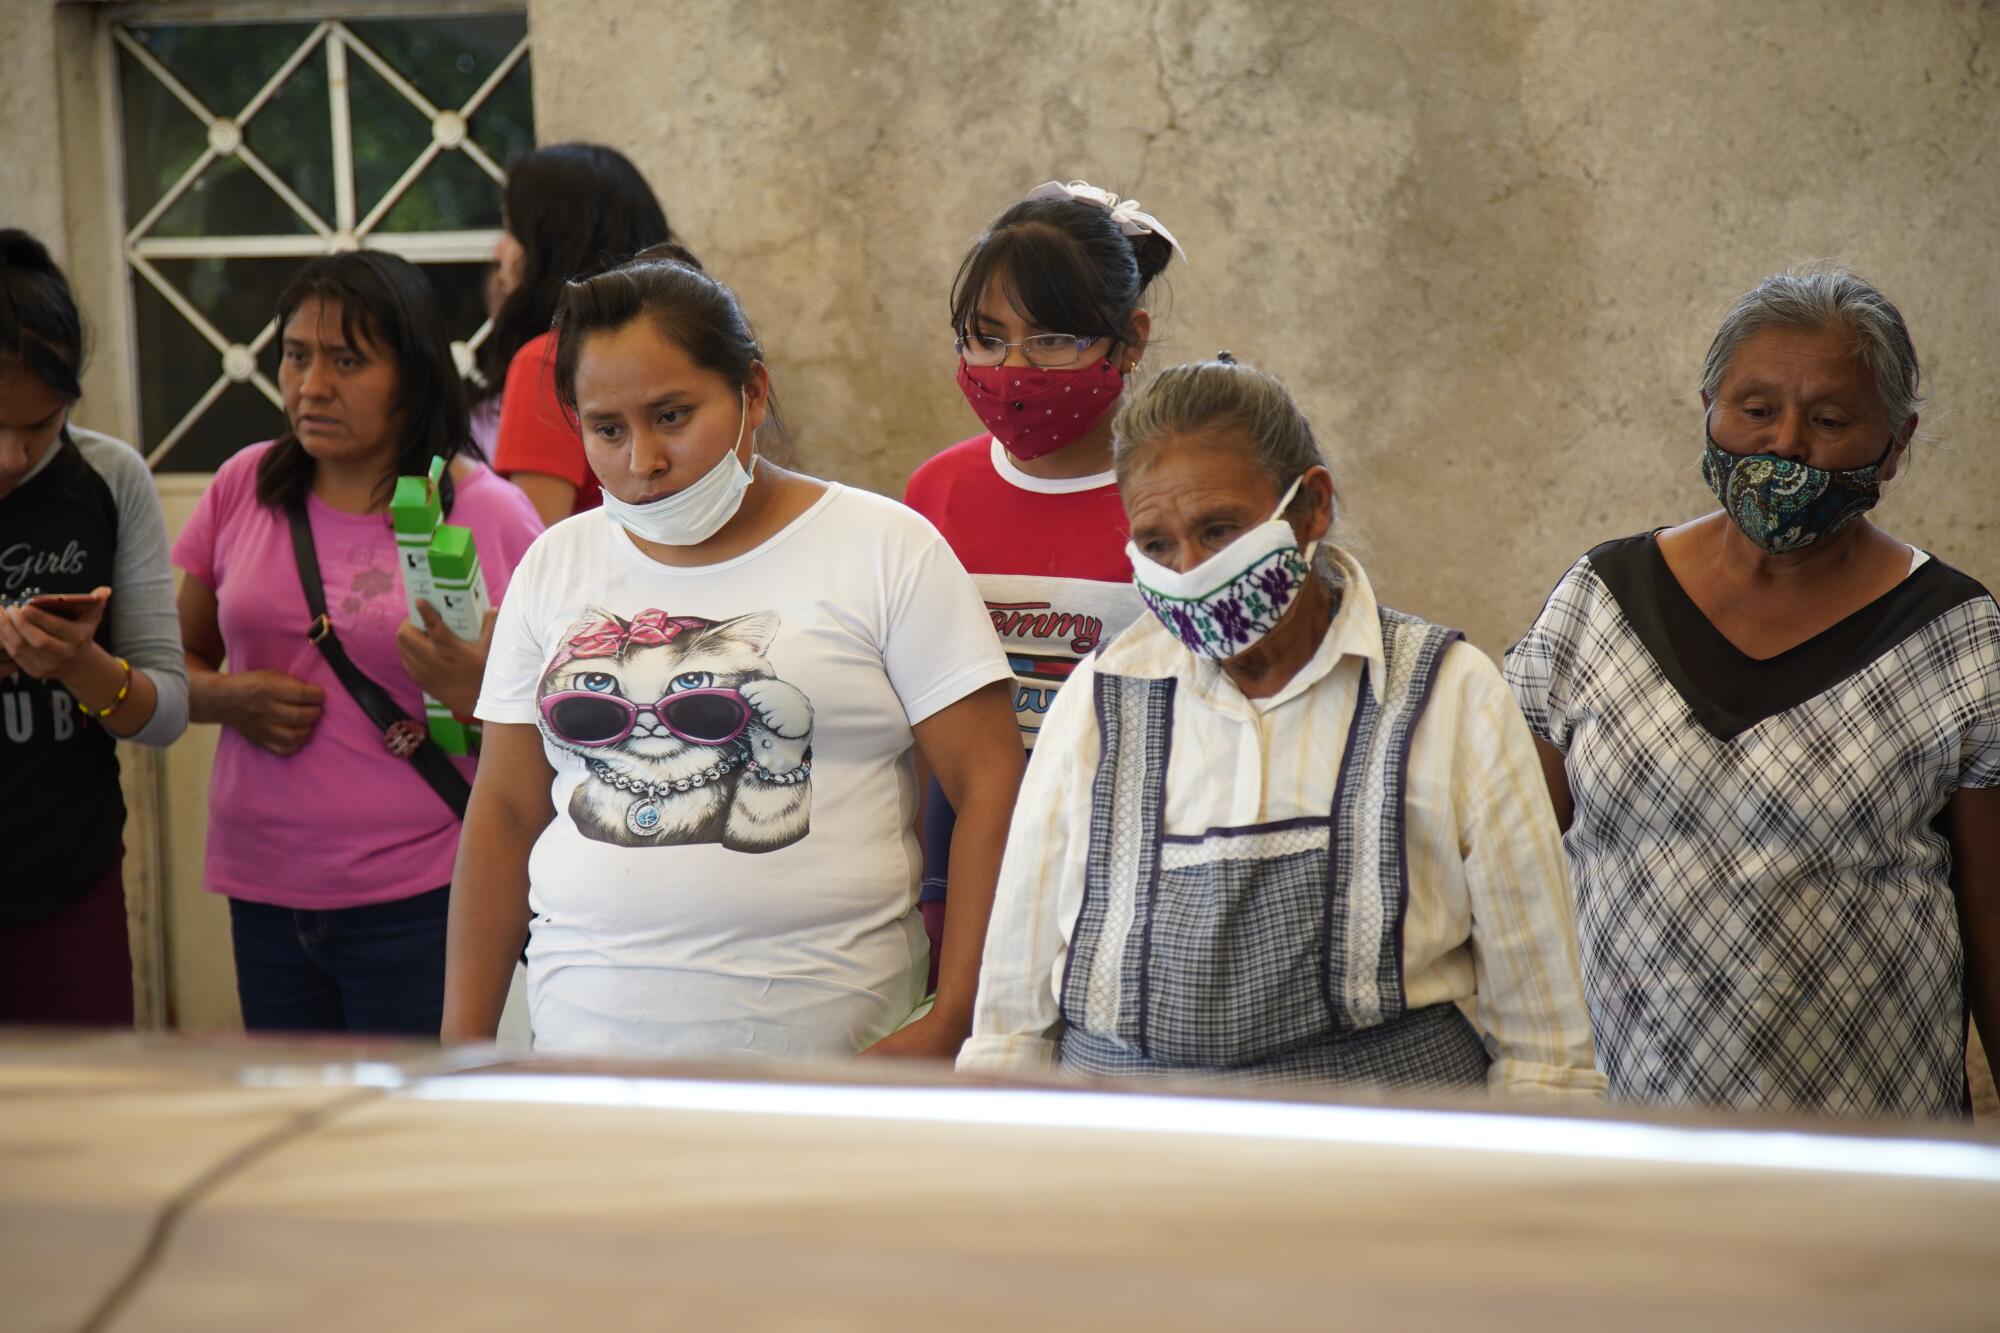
x=535, y=436
x=1048, y=556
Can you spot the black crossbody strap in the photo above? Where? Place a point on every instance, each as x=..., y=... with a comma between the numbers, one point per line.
x=432, y=763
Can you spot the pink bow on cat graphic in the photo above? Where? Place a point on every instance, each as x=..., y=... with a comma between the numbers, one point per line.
x=609, y=637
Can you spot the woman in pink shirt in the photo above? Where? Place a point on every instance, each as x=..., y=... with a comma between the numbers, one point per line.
x=333, y=847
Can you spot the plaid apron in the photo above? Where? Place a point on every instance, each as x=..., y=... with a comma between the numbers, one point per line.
x=1271, y=952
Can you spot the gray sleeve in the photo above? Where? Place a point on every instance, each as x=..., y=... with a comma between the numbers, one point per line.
x=145, y=627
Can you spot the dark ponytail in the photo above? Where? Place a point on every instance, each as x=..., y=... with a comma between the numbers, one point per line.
x=1151, y=253
x=694, y=311
x=40, y=328
x=1071, y=267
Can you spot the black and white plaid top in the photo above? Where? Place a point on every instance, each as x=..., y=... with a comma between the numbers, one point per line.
x=1763, y=901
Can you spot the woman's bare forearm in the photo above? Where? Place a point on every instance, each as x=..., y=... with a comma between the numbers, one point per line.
x=977, y=842
x=489, y=885
x=489, y=921
x=94, y=681
x=974, y=748
x=210, y=698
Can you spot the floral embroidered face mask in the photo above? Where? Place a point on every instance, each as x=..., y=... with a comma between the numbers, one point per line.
x=1235, y=597
x=1782, y=504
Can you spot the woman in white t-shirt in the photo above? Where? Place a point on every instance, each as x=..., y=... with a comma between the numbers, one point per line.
x=702, y=707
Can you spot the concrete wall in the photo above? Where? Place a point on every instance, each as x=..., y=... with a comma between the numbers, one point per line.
x=31, y=175
x=1485, y=243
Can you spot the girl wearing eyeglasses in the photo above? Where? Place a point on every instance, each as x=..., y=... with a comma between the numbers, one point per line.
x=1049, y=321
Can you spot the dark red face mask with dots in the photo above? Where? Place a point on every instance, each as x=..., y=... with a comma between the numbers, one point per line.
x=1033, y=411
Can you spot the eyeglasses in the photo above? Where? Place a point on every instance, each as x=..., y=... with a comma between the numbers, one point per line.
x=1047, y=350
x=699, y=717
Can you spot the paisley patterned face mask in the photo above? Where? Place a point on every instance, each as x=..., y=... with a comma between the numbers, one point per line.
x=1235, y=597
x=1783, y=505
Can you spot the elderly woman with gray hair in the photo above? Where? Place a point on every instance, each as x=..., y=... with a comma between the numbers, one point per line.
x=1773, y=736
x=1274, y=831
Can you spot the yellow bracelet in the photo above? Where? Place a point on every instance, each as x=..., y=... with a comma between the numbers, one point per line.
x=124, y=688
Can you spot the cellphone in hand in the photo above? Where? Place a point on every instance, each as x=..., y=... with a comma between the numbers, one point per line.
x=68, y=605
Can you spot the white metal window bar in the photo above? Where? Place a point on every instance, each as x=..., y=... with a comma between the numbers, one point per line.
x=449, y=133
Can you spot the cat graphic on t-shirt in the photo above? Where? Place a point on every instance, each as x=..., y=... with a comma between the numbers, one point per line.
x=687, y=734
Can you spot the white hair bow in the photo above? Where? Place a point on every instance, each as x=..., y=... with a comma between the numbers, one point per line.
x=1125, y=212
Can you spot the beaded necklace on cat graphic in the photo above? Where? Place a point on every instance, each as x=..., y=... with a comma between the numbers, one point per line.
x=643, y=815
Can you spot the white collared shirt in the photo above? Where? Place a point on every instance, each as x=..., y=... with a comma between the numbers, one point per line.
x=1489, y=921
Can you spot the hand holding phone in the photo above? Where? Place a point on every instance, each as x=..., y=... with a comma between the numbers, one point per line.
x=46, y=635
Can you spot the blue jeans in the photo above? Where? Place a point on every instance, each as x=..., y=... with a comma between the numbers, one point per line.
x=373, y=969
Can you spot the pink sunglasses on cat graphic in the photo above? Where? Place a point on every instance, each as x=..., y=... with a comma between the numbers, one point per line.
x=699, y=717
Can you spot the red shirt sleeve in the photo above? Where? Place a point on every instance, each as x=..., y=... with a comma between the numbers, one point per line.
x=917, y=493
x=534, y=434
x=930, y=487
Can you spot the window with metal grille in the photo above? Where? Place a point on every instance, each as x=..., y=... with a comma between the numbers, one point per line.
x=251, y=146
